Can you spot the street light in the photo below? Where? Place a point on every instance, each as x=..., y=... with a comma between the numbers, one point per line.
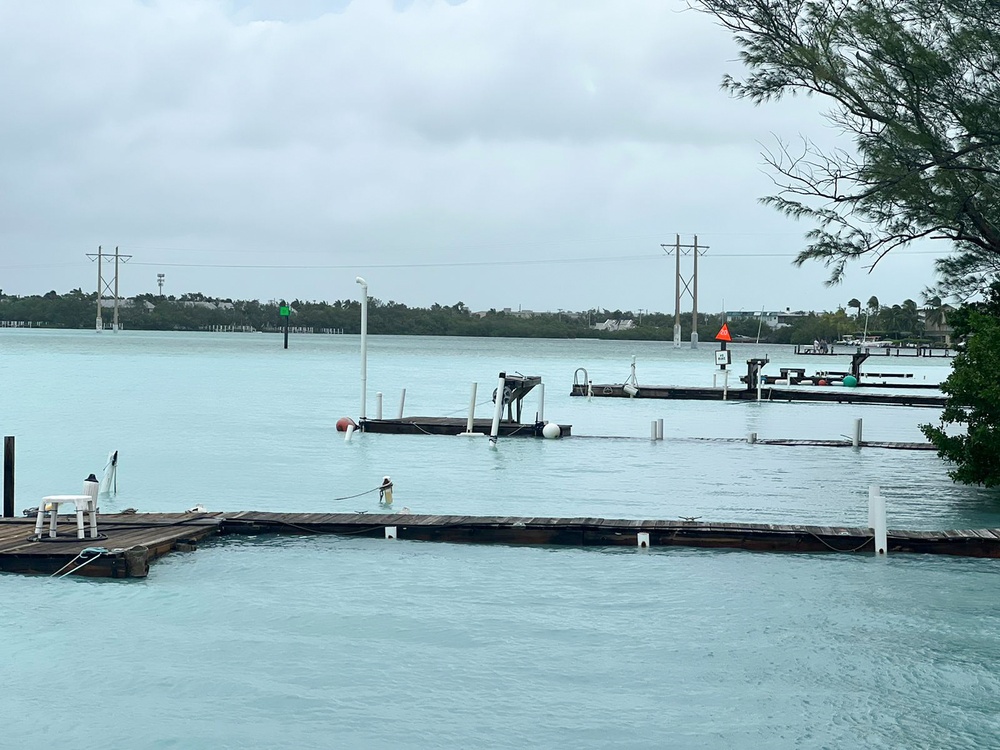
x=364, y=344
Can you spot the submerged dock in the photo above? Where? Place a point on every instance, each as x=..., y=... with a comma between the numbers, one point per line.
x=454, y=426
x=833, y=394
x=134, y=541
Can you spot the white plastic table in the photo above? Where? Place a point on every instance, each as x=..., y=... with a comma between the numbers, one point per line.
x=83, y=503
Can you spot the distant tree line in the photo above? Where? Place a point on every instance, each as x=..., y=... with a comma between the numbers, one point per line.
x=195, y=311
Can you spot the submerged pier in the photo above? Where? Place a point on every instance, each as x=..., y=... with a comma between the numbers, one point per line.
x=130, y=542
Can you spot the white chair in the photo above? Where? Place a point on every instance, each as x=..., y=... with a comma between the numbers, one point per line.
x=85, y=503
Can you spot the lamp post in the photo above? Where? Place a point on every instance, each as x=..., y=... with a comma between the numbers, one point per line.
x=364, y=344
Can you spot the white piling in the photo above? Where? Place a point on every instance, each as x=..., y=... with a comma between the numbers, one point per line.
x=725, y=385
x=590, y=389
x=378, y=405
x=402, y=401
x=856, y=439
x=470, y=422
x=541, y=403
x=752, y=438
x=659, y=429
x=349, y=433
x=876, y=519
x=642, y=539
x=758, y=385
x=715, y=379
x=652, y=430
x=498, y=411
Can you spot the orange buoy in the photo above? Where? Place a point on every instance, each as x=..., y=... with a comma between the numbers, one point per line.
x=344, y=422
x=821, y=382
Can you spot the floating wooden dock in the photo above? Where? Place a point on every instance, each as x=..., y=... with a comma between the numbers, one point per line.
x=129, y=542
x=834, y=394
x=454, y=426
x=133, y=541
x=876, y=351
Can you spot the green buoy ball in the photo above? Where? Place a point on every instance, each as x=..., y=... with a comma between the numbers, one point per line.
x=850, y=381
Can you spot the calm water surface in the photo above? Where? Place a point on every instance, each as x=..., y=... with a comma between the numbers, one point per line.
x=325, y=642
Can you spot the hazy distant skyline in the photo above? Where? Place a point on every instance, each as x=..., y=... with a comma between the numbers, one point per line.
x=501, y=154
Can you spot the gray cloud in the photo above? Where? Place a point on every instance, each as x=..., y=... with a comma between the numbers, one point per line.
x=378, y=134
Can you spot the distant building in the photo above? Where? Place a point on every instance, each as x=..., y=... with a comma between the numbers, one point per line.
x=109, y=304
x=774, y=320
x=614, y=325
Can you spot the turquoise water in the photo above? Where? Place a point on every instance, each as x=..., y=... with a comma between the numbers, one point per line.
x=327, y=642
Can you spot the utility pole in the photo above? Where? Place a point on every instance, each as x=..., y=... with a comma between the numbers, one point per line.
x=159, y=280
x=107, y=285
x=685, y=285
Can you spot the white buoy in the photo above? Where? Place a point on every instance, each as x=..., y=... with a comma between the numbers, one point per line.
x=385, y=491
x=876, y=520
x=551, y=430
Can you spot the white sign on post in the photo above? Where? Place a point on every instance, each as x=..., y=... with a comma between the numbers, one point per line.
x=722, y=357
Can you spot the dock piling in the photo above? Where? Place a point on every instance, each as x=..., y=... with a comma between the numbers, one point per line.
x=540, y=417
x=378, y=405
x=856, y=438
x=652, y=430
x=876, y=519
x=402, y=401
x=8, y=476
x=659, y=429
x=498, y=411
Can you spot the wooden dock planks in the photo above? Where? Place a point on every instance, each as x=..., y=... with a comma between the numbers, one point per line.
x=133, y=541
x=454, y=426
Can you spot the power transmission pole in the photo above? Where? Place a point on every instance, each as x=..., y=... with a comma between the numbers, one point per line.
x=687, y=285
x=107, y=285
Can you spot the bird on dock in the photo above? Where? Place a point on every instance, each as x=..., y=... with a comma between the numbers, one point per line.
x=690, y=519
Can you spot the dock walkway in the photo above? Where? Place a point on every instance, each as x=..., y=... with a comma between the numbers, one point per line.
x=835, y=394
x=133, y=541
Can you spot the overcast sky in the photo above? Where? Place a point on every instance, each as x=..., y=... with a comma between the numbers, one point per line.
x=502, y=153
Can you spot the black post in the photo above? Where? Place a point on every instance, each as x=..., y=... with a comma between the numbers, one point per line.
x=8, y=476
x=286, y=331
x=723, y=367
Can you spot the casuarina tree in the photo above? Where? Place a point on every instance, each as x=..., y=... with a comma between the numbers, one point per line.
x=915, y=84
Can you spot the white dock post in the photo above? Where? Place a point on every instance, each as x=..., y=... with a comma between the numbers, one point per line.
x=659, y=429
x=725, y=385
x=752, y=438
x=402, y=400
x=470, y=423
x=378, y=405
x=498, y=411
x=715, y=376
x=876, y=519
x=349, y=433
x=856, y=439
x=652, y=430
x=758, y=385
x=541, y=403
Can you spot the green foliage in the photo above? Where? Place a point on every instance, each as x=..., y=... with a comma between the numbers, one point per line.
x=974, y=391
x=915, y=85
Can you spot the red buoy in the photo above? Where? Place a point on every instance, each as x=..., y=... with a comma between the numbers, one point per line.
x=821, y=382
x=344, y=422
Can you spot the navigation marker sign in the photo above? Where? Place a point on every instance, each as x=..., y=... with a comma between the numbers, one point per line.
x=723, y=334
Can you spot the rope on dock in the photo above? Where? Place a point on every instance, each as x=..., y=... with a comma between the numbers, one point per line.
x=835, y=549
x=94, y=552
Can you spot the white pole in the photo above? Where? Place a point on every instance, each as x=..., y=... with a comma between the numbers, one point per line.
x=402, y=400
x=725, y=384
x=856, y=441
x=100, y=320
x=876, y=519
x=758, y=385
x=659, y=429
x=652, y=430
x=498, y=411
x=472, y=409
x=541, y=403
x=364, y=343
x=378, y=405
